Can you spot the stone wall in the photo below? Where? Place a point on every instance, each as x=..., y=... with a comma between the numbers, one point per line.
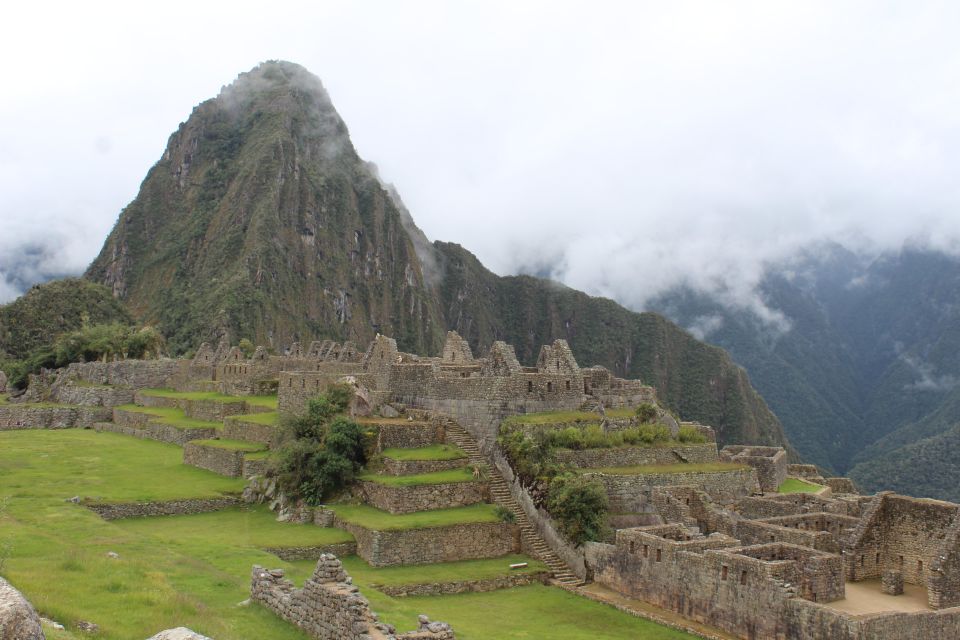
x=14, y=417
x=293, y=554
x=841, y=485
x=639, y=456
x=741, y=590
x=93, y=395
x=412, y=467
x=134, y=374
x=769, y=462
x=793, y=504
x=235, y=428
x=119, y=510
x=18, y=618
x=226, y=462
x=631, y=493
x=410, y=499
x=433, y=544
x=408, y=434
x=329, y=607
x=823, y=531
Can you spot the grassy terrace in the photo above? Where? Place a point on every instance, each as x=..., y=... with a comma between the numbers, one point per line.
x=269, y=418
x=254, y=401
x=171, y=416
x=371, y=518
x=232, y=445
x=563, y=417
x=254, y=526
x=433, y=452
x=796, y=485
x=194, y=570
x=703, y=467
x=437, y=477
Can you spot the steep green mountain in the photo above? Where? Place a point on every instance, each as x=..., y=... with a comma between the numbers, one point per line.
x=697, y=380
x=47, y=310
x=261, y=221
x=868, y=365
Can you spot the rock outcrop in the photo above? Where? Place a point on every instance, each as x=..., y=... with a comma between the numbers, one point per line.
x=18, y=618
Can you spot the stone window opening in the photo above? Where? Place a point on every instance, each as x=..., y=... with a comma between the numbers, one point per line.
x=303, y=383
x=568, y=385
x=289, y=382
x=631, y=547
x=919, y=566
x=862, y=558
x=586, y=387
x=900, y=560
x=878, y=559
x=743, y=577
x=723, y=572
x=659, y=555
x=529, y=386
x=549, y=387
x=453, y=357
x=646, y=551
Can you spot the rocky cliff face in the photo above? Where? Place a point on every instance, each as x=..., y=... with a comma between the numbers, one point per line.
x=261, y=222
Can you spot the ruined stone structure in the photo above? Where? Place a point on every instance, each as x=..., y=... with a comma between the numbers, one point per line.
x=329, y=607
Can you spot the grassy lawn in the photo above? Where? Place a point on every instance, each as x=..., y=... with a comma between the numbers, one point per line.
x=254, y=401
x=433, y=452
x=232, y=445
x=701, y=467
x=437, y=477
x=172, y=416
x=371, y=518
x=254, y=526
x=269, y=418
x=194, y=570
x=796, y=485
x=164, y=579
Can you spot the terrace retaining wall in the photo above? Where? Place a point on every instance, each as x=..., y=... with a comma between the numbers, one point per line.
x=410, y=499
x=119, y=510
x=639, y=456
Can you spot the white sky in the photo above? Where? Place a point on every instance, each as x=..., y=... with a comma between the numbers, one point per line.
x=626, y=146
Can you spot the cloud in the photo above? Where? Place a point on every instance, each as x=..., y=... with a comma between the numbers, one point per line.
x=703, y=326
x=928, y=379
x=623, y=148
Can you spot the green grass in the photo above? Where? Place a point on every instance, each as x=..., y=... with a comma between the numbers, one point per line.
x=194, y=570
x=254, y=401
x=3, y=399
x=254, y=526
x=232, y=445
x=796, y=485
x=376, y=519
x=441, y=572
x=433, y=452
x=172, y=416
x=621, y=412
x=257, y=455
x=270, y=418
x=701, y=467
x=464, y=474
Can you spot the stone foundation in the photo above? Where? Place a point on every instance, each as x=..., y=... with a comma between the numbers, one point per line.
x=421, y=497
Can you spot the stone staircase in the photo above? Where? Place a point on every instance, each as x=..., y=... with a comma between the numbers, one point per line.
x=500, y=493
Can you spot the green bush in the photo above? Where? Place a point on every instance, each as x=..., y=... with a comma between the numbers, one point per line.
x=324, y=449
x=690, y=435
x=579, y=505
x=646, y=412
x=504, y=514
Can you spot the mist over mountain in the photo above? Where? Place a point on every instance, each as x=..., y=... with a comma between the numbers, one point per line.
x=862, y=366
x=261, y=221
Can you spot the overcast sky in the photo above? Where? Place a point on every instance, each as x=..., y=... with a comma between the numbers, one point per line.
x=626, y=146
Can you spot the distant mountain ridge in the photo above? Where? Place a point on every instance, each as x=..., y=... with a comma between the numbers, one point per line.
x=867, y=379
x=261, y=221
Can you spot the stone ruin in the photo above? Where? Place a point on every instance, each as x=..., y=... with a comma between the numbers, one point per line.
x=330, y=607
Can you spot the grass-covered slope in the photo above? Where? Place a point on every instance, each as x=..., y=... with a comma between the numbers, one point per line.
x=261, y=221
x=697, y=380
x=44, y=312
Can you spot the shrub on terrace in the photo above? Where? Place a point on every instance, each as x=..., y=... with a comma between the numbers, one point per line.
x=579, y=504
x=690, y=435
x=646, y=412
